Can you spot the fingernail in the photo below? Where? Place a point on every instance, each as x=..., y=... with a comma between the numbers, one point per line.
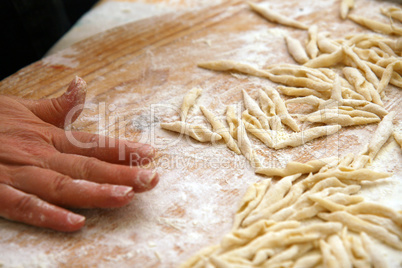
x=149, y=151
x=148, y=177
x=74, y=218
x=122, y=191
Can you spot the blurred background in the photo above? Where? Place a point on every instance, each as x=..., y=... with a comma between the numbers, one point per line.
x=29, y=28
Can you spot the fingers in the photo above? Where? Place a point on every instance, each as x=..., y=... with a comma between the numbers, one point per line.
x=18, y=206
x=104, y=148
x=63, y=110
x=61, y=190
x=92, y=169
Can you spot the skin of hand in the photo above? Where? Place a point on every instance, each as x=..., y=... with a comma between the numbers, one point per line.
x=42, y=172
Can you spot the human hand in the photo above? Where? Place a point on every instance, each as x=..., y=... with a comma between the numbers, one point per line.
x=41, y=171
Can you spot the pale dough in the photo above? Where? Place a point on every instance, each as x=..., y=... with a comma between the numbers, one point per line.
x=296, y=50
x=198, y=132
x=381, y=135
x=276, y=17
x=392, y=12
x=311, y=47
x=188, y=101
x=245, y=146
x=346, y=6
x=376, y=26
x=221, y=129
x=255, y=110
x=300, y=138
x=314, y=220
x=280, y=109
x=294, y=168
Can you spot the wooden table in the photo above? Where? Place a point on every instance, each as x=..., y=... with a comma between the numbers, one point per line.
x=138, y=73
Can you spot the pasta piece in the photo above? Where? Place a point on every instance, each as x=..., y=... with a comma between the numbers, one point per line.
x=398, y=138
x=242, y=236
x=343, y=173
x=296, y=50
x=246, y=146
x=276, y=17
x=255, y=110
x=311, y=48
x=392, y=12
x=325, y=44
x=188, y=101
x=361, y=256
x=384, y=222
x=370, y=76
x=267, y=105
x=355, y=224
x=309, y=260
x=376, y=26
x=297, y=139
x=326, y=60
x=347, y=92
x=301, y=92
x=287, y=237
x=250, y=200
x=246, y=117
x=232, y=120
x=347, y=199
x=387, y=49
x=297, y=76
x=281, y=110
x=336, y=93
x=376, y=209
x=339, y=251
x=299, y=71
x=198, y=132
x=346, y=6
x=377, y=260
x=289, y=254
x=228, y=65
x=259, y=133
x=381, y=135
x=396, y=79
x=359, y=82
x=311, y=100
x=293, y=168
x=386, y=77
x=327, y=204
x=276, y=124
x=366, y=106
x=360, y=161
x=346, y=160
x=273, y=195
x=339, y=117
x=219, y=128
x=304, y=208
x=291, y=80
x=384, y=62
x=328, y=258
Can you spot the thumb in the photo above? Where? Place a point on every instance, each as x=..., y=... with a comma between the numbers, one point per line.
x=62, y=110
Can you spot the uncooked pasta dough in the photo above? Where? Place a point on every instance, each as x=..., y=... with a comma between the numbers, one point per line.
x=296, y=50
x=346, y=6
x=219, y=128
x=188, y=101
x=198, y=132
x=276, y=17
